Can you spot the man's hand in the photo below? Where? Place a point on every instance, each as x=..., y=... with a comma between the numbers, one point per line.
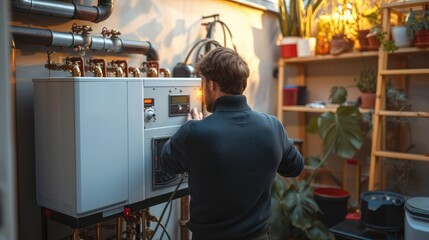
x=195, y=115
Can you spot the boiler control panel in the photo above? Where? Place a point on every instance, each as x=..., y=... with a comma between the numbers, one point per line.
x=179, y=105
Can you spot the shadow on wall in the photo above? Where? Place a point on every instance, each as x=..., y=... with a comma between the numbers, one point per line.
x=263, y=87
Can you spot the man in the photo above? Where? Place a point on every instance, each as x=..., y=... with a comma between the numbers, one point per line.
x=231, y=156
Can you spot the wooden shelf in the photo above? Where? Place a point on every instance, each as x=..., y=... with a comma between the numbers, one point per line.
x=402, y=72
x=404, y=6
x=403, y=114
x=318, y=58
x=304, y=109
x=404, y=156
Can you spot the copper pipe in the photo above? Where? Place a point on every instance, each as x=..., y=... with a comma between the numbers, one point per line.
x=152, y=68
x=76, y=234
x=98, y=62
x=77, y=61
x=98, y=233
x=184, y=212
x=144, y=224
x=119, y=228
x=165, y=72
x=135, y=71
x=122, y=64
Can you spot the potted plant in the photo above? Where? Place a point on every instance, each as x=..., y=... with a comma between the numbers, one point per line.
x=290, y=26
x=366, y=83
x=295, y=19
x=342, y=27
x=377, y=36
x=295, y=211
x=418, y=27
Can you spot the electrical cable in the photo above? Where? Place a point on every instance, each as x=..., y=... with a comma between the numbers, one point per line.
x=165, y=208
x=207, y=43
x=224, y=26
x=170, y=210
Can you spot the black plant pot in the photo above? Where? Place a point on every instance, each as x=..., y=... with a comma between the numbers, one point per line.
x=333, y=203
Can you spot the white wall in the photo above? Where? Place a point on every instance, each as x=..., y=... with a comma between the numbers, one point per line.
x=172, y=27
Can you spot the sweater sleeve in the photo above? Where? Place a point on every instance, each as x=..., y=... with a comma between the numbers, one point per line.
x=292, y=162
x=173, y=154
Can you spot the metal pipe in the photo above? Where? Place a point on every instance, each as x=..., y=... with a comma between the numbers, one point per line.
x=46, y=37
x=66, y=10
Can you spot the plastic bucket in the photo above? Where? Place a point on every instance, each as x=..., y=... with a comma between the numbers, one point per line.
x=288, y=47
x=290, y=95
x=333, y=203
x=416, y=218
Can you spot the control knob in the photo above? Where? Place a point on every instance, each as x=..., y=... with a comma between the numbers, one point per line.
x=149, y=114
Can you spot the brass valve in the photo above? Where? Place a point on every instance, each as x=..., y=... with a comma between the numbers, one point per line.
x=84, y=29
x=110, y=33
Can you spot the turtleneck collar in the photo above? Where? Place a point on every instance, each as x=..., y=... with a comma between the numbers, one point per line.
x=231, y=103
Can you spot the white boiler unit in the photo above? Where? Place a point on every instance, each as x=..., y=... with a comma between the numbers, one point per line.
x=98, y=140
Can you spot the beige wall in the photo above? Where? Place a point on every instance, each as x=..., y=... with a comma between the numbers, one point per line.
x=172, y=27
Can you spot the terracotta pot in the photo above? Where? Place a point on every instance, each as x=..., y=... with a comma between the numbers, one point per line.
x=363, y=40
x=422, y=38
x=341, y=43
x=367, y=100
x=373, y=41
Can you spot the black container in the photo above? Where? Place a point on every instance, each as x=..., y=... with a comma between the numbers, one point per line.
x=333, y=204
x=383, y=210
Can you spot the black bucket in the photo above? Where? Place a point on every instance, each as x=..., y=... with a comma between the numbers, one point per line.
x=333, y=203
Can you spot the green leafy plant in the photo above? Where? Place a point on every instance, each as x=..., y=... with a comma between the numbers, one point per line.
x=415, y=22
x=296, y=16
x=367, y=81
x=289, y=17
x=374, y=18
x=294, y=208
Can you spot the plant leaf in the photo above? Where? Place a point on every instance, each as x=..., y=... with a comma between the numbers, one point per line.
x=302, y=209
x=338, y=95
x=319, y=231
x=313, y=126
x=341, y=131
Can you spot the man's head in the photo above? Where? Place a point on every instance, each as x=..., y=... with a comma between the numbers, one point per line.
x=223, y=72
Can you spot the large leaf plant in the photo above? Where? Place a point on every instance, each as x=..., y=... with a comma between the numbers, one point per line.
x=294, y=208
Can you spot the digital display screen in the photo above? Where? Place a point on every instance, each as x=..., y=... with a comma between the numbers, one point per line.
x=179, y=99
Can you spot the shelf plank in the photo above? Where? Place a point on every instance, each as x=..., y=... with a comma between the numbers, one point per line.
x=351, y=55
x=299, y=108
x=405, y=156
x=404, y=6
x=403, y=114
x=317, y=58
x=402, y=72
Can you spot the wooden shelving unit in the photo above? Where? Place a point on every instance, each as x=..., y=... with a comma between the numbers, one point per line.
x=299, y=64
x=384, y=73
x=377, y=152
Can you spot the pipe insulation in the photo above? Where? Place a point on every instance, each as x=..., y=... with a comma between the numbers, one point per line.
x=71, y=10
x=47, y=37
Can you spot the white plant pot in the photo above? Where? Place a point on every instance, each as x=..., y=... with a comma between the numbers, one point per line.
x=306, y=47
x=400, y=36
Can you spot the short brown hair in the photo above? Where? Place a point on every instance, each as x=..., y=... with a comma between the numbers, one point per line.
x=225, y=67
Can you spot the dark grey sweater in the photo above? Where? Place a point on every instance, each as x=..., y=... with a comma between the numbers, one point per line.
x=231, y=157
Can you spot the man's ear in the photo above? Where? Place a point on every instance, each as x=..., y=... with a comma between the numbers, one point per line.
x=213, y=85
